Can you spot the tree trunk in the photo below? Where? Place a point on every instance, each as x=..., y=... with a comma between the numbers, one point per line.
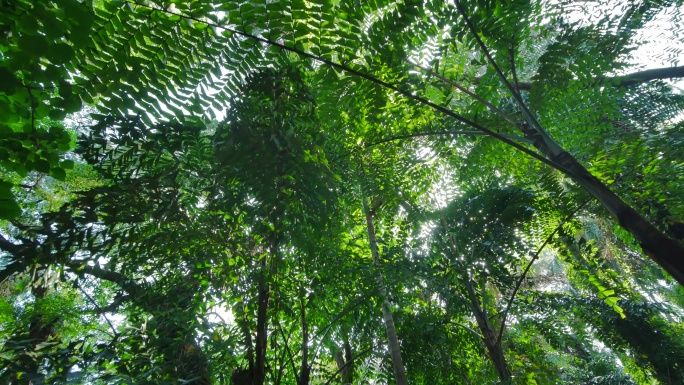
x=266, y=271
x=345, y=363
x=489, y=335
x=242, y=376
x=305, y=371
x=668, y=253
x=395, y=350
x=259, y=371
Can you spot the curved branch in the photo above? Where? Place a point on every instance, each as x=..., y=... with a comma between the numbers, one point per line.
x=375, y=80
x=11, y=269
x=643, y=76
x=466, y=91
x=99, y=309
x=18, y=265
x=429, y=133
x=477, y=334
x=529, y=265
x=107, y=275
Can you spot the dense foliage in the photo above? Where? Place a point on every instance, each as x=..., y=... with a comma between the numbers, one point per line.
x=425, y=192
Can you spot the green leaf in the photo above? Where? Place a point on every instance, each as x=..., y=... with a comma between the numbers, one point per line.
x=9, y=209
x=60, y=53
x=6, y=190
x=58, y=173
x=67, y=164
x=57, y=114
x=41, y=165
x=9, y=83
x=34, y=45
x=72, y=104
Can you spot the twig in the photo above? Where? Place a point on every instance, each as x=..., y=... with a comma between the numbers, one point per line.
x=429, y=133
x=466, y=91
x=116, y=335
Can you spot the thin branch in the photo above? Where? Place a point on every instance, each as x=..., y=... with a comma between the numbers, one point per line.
x=286, y=339
x=114, y=305
x=10, y=270
x=466, y=91
x=9, y=246
x=643, y=76
x=217, y=315
x=375, y=80
x=111, y=276
x=548, y=240
x=477, y=334
x=624, y=80
x=529, y=265
x=429, y=133
x=33, y=109
x=511, y=51
x=529, y=117
x=487, y=54
x=116, y=335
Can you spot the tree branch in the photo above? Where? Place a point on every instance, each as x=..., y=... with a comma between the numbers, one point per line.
x=627, y=80
x=529, y=265
x=99, y=309
x=429, y=133
x=111, y=276
x=375, y=80
x=466, y=91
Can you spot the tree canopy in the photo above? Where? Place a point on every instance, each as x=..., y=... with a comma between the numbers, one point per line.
x=337, y=192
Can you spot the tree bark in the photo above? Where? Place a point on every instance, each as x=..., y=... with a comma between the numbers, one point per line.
x=305, y=371
x=259, y=371
x=668, y=253
x=393, y=340
x=489, y=335
x=345, y=363
x=626, y=80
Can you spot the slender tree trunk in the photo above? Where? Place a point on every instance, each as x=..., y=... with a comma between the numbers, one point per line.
x=395, y=350
x=349, y=361
x=345, y=363
x=266, y=271
x=240, y=376
x=259, y=373
x=489, y=335
x=305, y=370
